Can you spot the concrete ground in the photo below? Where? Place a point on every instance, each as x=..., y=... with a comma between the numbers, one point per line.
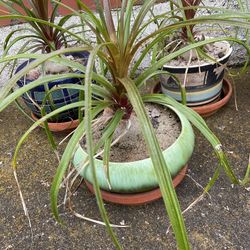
x=221, y=221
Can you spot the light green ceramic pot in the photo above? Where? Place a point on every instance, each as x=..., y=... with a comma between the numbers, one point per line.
x=139, y=176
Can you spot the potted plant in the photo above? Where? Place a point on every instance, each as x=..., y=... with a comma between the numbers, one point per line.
x=199, y=71
x=120, y=99
x=43, y=35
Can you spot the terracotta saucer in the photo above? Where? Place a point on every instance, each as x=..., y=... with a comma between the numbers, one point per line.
x=212, y=107
x=59, y=126
x=137, y=198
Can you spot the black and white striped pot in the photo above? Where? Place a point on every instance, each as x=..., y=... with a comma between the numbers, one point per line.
x=203, y=82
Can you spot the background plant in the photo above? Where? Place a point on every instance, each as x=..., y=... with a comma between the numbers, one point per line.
x=188, y=10
x=116, y=46
x=43, y=35
x=42, y=32
x=188, y=13
x=181, y=10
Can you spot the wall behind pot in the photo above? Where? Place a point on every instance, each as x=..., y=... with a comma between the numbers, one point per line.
x=64, y=11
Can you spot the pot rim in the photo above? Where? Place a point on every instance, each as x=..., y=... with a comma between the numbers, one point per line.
x=136, y=199
x=23, y=81
x=230, y=49
x=58, y=126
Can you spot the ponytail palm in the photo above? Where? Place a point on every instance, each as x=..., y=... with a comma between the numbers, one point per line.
x=117, y=46
x=41, y=33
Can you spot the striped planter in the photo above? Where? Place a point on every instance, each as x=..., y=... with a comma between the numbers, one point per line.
x=61, y=97
x=203, y=84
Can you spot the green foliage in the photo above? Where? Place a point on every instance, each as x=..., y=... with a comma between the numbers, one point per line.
x=44, y=36
x=118, y=88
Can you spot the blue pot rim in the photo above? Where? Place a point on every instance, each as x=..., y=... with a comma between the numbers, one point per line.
x=67, y=99
x=21, y=82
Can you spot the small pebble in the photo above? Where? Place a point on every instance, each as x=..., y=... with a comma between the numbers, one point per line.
x=155, y=113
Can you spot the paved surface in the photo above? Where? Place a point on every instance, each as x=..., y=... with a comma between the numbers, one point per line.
x=219, y=222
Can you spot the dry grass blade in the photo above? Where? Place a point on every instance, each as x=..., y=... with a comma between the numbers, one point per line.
x=23, y=204
x=186, y=71
x=234, y=93
x=97, y=221
x=197, y=184
x=68, y=198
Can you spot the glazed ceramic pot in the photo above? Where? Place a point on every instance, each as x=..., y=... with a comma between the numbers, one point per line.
x=203, y=82
x=139, y=176
x=61, y=97
x=210, y=108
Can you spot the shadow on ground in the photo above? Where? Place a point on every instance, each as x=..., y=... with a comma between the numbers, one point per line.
x=221, y=221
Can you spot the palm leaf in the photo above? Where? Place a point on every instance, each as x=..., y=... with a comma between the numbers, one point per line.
x=199, y=123
x=90, y=146
x=160, y=167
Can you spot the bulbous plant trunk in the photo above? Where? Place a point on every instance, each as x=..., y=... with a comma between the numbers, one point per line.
x=126, y=107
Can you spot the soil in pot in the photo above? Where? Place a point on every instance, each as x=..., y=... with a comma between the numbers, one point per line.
x=215, y=50
x=132, y=147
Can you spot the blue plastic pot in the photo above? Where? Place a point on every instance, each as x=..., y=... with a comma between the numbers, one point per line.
x=60, y=97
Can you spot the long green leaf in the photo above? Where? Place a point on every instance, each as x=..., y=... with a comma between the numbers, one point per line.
x=160, y=167
x=200, y=124
x=40, y=21
x=17, y=93
x=89, y=143
x=175, y=54
x=39, y=122
x=109, y=129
